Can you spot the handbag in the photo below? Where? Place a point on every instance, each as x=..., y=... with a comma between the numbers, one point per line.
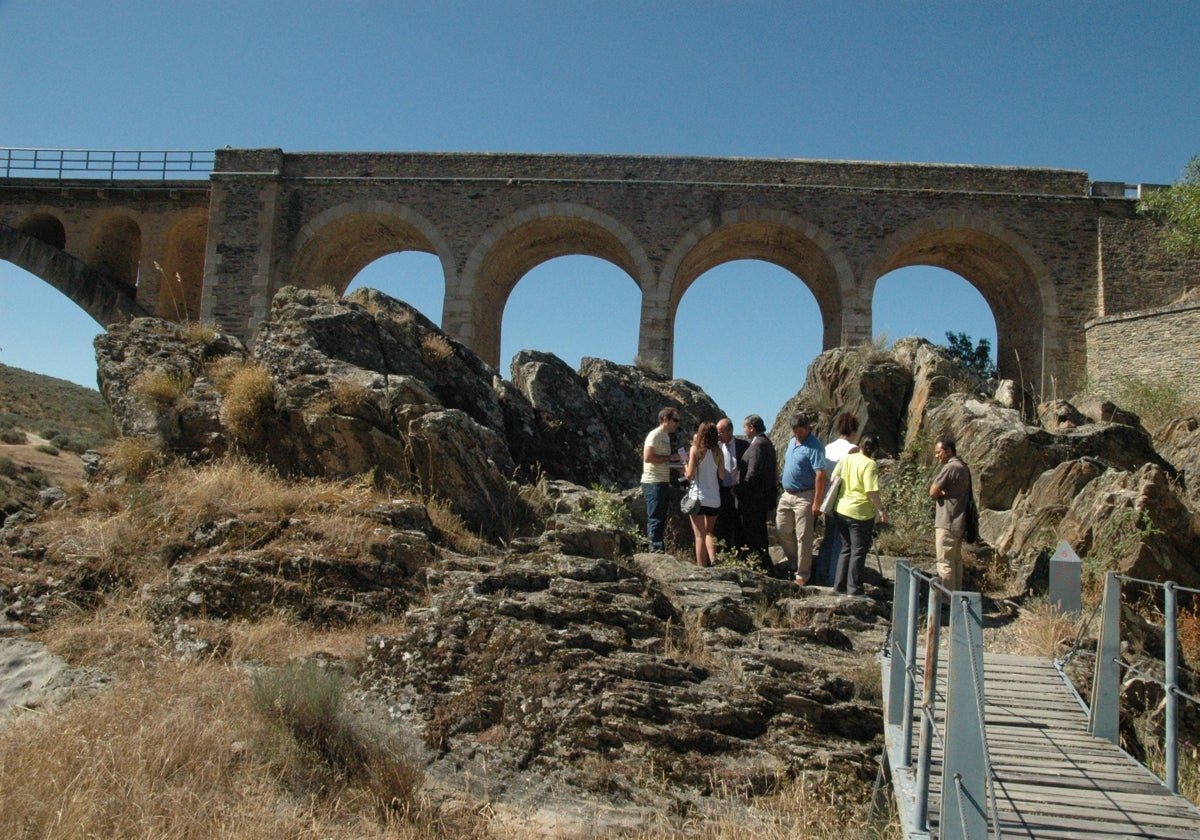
x=829, y=503
x=690, y=503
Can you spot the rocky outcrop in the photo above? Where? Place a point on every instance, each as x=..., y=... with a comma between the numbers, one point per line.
x=368, y=385
x=1179, y=443
x=874, y=387
x=558, y=680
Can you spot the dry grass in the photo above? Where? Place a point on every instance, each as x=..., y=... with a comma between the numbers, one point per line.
x=452, y=530
x=249, y=399
x=178, y=752
x=435, y=348
x=1041, y=629
x=159, y=388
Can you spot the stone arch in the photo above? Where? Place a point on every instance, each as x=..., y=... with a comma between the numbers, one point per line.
x=106, y=300
x=182, y=281
x=115, y=247
x=45, y=227
x=773, y=236
x=338, y=243
x=1013, y=280
x=525, y=240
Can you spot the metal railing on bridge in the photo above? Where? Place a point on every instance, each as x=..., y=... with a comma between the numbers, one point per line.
x=1104, y=716
x=967, y=778
x=110, y=164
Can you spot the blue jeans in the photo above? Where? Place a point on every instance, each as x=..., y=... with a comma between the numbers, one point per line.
x=657, y=497
x=825, y=568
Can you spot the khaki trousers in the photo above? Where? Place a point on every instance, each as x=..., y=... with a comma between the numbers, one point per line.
x=949, y=558
x=794, y=528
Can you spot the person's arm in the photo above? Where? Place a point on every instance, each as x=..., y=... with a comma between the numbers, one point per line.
x=693, y=464
x=877, y=500
x=820, y=479
x=720, y=459
x=652, y=457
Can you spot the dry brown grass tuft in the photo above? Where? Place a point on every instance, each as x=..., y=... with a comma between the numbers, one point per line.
x=1041, y=629
x=435, y=347
x=200, y=331
x=452, y=529
x=249, y=398
x=133, y=457
x=159, y=388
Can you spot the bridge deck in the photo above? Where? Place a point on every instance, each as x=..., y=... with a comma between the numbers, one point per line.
x=1053, y=779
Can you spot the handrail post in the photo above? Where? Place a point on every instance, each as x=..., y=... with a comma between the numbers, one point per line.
x=899, y=656
x=1171, y=668
x=964, y=764
x=933, y=624
x=910, y=680
x=1104, y=715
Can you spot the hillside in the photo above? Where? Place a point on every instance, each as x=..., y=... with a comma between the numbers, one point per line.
x=45, y=423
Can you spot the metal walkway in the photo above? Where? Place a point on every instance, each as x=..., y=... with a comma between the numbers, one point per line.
x=1051, y=778
x=1028, y=767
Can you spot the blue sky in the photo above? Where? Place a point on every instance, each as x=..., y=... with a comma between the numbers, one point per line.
x=1109, y=88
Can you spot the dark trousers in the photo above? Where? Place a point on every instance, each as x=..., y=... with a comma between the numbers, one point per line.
x=754, y=532
x=729, y=526
x=856, y=542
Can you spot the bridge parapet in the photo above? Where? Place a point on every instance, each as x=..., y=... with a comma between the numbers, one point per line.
x=783, y=172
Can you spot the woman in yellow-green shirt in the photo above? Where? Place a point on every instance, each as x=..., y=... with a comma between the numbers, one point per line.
x=857, y=503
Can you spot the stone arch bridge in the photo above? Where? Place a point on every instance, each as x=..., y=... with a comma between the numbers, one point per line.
x=1047, y=249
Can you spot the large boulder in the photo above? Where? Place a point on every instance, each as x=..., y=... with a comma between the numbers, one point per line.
x=629, y=399
x=1179, y=443
x=572, y=422
x=1007, y=454
x=1135, y=523
x=872, y=386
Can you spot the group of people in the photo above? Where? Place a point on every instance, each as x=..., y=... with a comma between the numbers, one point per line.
x=738, y=481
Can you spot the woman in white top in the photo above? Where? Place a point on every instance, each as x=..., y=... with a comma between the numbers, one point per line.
x=831, y=543
x=705, y=467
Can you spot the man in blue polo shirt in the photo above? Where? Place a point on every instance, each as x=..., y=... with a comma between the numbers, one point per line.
x=804, y=478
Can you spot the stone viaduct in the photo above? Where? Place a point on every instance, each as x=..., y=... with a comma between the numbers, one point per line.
x=1048, y=250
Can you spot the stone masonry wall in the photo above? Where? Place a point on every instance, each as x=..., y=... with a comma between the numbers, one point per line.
x=1161, y=344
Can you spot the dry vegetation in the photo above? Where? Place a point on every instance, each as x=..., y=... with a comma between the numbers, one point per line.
x=255, y=736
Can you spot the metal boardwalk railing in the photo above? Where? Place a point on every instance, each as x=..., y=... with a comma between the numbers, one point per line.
x=1000, y=746
x=112, y=164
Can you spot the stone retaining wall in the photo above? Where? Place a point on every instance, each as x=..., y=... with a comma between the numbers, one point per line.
x=1160, y=344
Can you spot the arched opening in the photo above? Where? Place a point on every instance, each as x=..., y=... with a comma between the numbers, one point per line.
x=572, y=306
x=45, y=228
x=527, y=244
x=30, y=310
x=182, y=277
x=928, y=302
x=411, y=276
x=338, y=249
x=745, y=332
x=1007, y=274
x=115, y=249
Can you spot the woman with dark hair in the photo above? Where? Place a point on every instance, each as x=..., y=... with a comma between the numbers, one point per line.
x=706, y=468
x=856, y=514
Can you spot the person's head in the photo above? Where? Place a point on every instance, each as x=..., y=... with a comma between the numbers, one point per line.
x=724, y=430
x=706, y=435
x=869, y=445
x=847, y=425
x=944, y=449
x=753, y=425
x=668, y=418
x=801, y=424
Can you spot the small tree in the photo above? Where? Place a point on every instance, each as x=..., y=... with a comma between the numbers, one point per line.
x=1179, y=205
x=975, y=357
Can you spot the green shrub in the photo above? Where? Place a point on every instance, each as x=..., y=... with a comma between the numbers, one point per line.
x=14, y=437
x=8, y=467
x=47, y=449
